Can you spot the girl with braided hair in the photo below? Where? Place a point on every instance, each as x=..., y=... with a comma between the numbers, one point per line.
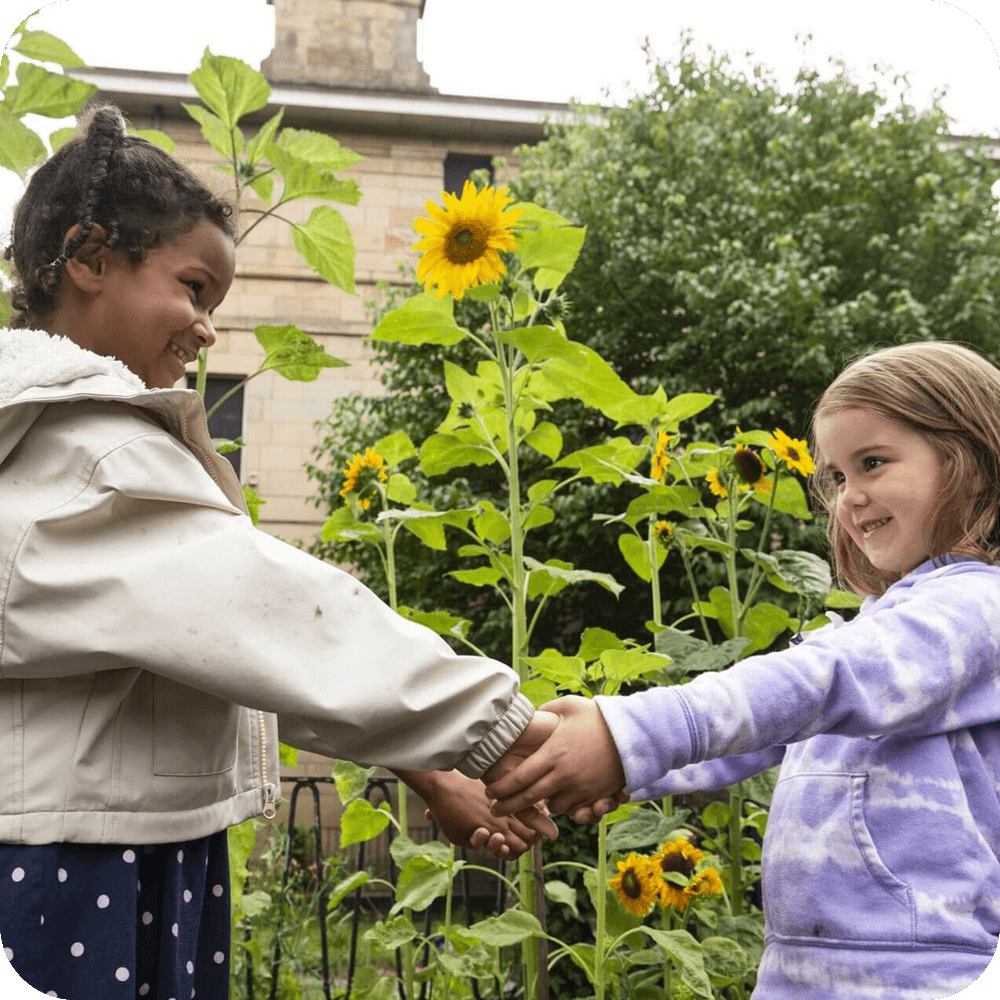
x=152, y=641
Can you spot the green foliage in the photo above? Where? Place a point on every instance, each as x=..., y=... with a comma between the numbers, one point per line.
x=747, y=240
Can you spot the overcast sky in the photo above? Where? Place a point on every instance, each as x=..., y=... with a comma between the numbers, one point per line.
x=558, y=50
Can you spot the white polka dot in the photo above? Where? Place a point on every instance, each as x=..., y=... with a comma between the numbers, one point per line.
x=217, y=890
x=41, y=920
x=187, y=896
x=174, y=929
x=122, y=975
x=17, y=874
x=129, y=856
x=180, y=857
x=62, y=876
x=103, y=902
x=190, y=968
x=76, y=949
x=219, y=958
x=144, y=989
x=51, y=993
x=9, y=953
x=147, y=918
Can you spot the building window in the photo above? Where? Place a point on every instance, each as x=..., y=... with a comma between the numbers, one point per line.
x=227, y=421
x=458, y=166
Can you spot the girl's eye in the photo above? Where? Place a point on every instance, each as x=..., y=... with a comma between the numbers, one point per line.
x=197, y=287
x=871, y=462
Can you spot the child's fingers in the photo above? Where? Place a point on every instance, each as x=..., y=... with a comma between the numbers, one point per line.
x=518, y=780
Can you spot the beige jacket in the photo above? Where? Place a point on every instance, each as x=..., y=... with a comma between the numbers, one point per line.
x=153, y=642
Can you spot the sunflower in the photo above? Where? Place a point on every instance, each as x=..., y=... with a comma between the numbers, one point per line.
x=461, y=240
x=635, y=884
x=678, y=856
x=795, y=454
x=658, y=467
x=714, y=484
x=705, y=883
x=354, y=472
x=663, y=532
x=750, y=468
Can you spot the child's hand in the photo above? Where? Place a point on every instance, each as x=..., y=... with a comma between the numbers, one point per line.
x=461, y=810
x=577, y=769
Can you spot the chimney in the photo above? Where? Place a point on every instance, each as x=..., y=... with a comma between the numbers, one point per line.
x=367, y=44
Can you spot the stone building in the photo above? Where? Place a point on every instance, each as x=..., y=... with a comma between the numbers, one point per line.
x=348, y=68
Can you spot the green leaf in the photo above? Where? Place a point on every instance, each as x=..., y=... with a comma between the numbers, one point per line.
x=396, y=448
x=693, y=655
x=226, y=141
x=351, y=780
x=538, y=518
x=155, y=136
x=595, y=641
x=420, y=520
x=42, y=92
x=289, y=756
x=763, y=623
x=44, y=47
x=546, y=439
x=254, y=502
x=422, y=319
x=539, y=691
x=554, y=567
x=421, y=881
x=304, y=179
x=265, y=134
x=687, y=953
x=241, y=840
x=548, y=243
x=293, y=354
x=789, y=498
x=485, y=576
x=225, y=446
x=254, y=904
x=636, y=553
x=21, y=148
x=642, y=828
x=842, y=600
x=318, y=149
x=342, y=526
x=560, y=892
x=361, y=821
x=607, y=462
x=507, y=928
x=566, y=672
x=368, y=984
x=229, y=87
x=343, y=888
x=441, y=453
x=399, y=489
x=392, y=933
x=662, y=500
x=795, y=571
x=326, y=245
x=624, y=665
x=441, y=622
x=4, y=70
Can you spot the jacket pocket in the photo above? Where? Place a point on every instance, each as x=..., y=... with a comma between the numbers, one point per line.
x=193, y=732
x=823, y=878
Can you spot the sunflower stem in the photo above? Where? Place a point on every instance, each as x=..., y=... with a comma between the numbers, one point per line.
x=654, y=571
x=532, y=951
x=602, y=906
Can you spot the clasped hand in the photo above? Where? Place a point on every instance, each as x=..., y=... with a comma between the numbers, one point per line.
x=567, y=758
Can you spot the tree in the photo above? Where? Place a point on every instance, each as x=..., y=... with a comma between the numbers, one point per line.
x=747, y=241
x=741, y=240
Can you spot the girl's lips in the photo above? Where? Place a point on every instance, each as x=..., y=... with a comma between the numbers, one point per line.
x=183, y=354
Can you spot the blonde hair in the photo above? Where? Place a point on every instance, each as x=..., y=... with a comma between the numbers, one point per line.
x=951, y=395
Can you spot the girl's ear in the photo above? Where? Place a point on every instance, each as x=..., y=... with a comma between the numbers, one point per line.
x=87, y=266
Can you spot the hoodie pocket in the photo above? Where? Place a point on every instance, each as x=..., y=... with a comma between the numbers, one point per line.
x=823, y=878
x=193, y=732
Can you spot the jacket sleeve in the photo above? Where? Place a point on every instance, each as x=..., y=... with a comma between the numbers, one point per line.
x=150, y=566
x=709, y=774
x=923, y=664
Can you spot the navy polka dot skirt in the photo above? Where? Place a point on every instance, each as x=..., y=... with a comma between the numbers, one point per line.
x=114, y=922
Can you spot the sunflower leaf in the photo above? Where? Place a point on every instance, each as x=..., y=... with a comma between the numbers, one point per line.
x=229, y=87
x=41, y=92
x=422, y=319
x=326, y=245
x=293, y=354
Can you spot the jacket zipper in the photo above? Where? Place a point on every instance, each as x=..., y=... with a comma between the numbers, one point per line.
x=269, y=808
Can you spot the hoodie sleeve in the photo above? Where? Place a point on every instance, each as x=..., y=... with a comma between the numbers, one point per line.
x=150, y=566
x=923, y=660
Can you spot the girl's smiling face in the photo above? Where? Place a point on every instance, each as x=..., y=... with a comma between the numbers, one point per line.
x=888, y=479
x=155, y=316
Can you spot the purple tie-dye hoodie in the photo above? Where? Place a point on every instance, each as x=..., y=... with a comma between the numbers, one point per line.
x=881, y=873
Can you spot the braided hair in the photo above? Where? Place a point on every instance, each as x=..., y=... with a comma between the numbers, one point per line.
x=140, y=195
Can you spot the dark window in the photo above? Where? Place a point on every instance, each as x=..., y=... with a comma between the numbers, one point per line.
x=458, y=166
x=227, y=421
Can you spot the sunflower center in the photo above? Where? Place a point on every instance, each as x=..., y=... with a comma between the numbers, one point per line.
x=466, y=242
x=793, y=454
x=631, y=886
x=677, y=863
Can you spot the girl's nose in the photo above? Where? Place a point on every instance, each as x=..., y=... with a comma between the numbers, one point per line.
x=204, y=330
x=853, y=495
